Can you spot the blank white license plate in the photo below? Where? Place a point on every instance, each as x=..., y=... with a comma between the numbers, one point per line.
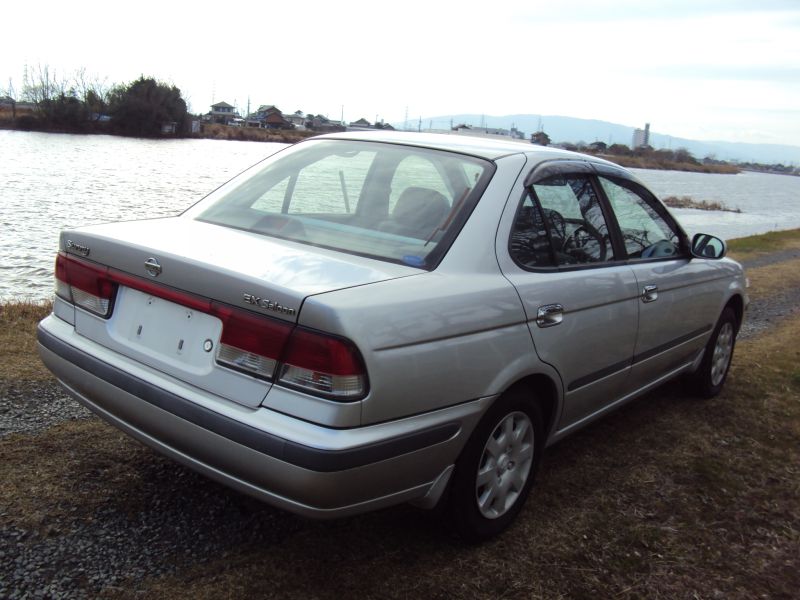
x=158, y=327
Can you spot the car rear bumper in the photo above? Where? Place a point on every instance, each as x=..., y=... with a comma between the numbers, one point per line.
x=298, y=466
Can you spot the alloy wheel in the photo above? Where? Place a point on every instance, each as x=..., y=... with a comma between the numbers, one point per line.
x=505, y=465
x=723, y=350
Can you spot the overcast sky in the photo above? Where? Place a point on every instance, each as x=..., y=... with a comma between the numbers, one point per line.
x=700, y=69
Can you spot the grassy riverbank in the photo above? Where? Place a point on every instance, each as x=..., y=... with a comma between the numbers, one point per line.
x=688, y=202
x=757, y=245
x=215, y=131
x=212, y=131
x=651, y=162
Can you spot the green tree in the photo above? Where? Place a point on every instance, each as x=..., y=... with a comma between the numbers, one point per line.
x=619, y=150
x=682, y=155
x=540, y=138
x=144, y=106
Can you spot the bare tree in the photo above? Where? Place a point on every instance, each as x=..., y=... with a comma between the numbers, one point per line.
x=93, y=92
x=11, y=94
x=41, y=85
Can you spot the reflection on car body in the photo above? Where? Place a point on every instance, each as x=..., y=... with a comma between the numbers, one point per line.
x=367, y=319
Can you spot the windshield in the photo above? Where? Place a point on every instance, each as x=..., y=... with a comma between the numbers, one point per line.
x=386, y=201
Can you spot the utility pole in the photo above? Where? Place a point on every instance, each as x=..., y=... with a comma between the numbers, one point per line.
x=419, y=125
x=405, y=123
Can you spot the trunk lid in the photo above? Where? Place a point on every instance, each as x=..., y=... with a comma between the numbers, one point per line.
x=264, y=275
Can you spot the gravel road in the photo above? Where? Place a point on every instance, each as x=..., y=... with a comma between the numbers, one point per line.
x=764, y=312
x=186, y=519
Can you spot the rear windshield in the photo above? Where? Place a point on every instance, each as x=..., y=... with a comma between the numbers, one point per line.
x=387, y=201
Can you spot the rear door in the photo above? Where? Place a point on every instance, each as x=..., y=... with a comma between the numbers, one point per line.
x=580, y=298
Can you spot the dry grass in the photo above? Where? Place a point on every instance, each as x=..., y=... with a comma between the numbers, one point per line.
x=217, y=131
x=669, y=498
x=773, y=279
x=70, y=471
x=18, y=339
x=758, y=245
x=688, y=202
x=652, y=162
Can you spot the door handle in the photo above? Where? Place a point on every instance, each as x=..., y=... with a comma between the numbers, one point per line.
x=650, y=293
x=549, y=315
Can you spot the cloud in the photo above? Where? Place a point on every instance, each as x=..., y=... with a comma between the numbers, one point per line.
x=712, y=72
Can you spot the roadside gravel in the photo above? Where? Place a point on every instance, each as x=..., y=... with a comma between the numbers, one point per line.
x=771, y=258
x=186, y=520
x=765, y=312
x=33, y=406
x=171, y=518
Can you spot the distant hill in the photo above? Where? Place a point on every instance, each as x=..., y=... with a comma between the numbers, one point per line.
x=571, y=129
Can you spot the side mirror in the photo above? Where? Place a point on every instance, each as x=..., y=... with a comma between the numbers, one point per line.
x=708, y=246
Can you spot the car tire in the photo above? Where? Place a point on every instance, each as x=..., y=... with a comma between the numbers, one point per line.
x=709, y=378
x=496, y=469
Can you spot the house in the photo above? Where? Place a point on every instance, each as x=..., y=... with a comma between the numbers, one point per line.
x=322, y=123
x=268, y=116
x=223, y=113
x=297, y=119
x=363, y=124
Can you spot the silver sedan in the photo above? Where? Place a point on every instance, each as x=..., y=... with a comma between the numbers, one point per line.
x=364, y=320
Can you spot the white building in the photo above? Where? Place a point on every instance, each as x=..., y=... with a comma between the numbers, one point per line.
x=641, y=137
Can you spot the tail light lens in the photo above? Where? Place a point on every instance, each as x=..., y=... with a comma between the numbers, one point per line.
x=323, y=364
x=85, y=285
x=249, y=342
x=310, y=361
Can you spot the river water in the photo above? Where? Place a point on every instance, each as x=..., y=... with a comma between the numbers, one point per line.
x=52, y=181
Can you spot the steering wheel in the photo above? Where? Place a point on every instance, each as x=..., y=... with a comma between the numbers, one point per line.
x=661, y=249
x=584, y=239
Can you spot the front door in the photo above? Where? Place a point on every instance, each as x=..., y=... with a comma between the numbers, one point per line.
x=677, y=302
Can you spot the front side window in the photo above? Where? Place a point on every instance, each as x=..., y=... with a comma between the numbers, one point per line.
x=646, y=233
x=563, y=215
x=386, y=201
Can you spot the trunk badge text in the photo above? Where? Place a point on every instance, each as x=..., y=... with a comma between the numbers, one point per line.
x=153, y=267
x=268, y=304
x=79, y=248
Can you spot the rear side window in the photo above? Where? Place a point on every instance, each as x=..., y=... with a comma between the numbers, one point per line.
x=393, y=202
x=561, y=223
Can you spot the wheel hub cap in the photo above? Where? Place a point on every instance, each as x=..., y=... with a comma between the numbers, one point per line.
x=505, y=465
x=723, y=350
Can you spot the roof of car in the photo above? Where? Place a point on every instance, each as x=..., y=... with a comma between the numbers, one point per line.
x=484, y=147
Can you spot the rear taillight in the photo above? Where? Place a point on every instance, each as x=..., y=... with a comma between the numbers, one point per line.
x=250, y=342
x=84, y=284
x=259, y=345
x=323, y=364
